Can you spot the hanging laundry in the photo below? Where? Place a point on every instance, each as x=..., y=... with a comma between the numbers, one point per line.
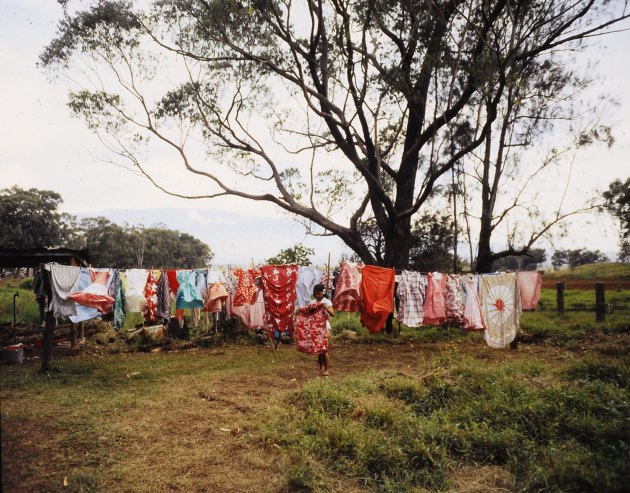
x=410, y=292
x=232, y=284
x=118, y=293
x=252, y=315
x=348, y=289
x=377, y=296
x=500, y=308
x=202, y=281
x=134, y=292
x=163, y=308
x=278, y=283
x=174, y=285
x=311, y=336
x=83, y=312
x=453, y=301
x=307, y=278
x=188, y=295
x=435, y=301
x=63, y=279
x=214, y=276
x=151, y=297
x=94, y=294
x=246, y=290
x=529, y=284
x=216, y=294
x=472, y=308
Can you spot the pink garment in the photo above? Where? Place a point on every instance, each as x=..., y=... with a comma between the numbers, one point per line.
x=348, y=292
x=435, y=302
x=472, y=308
x=529, y=284
x=257, y=312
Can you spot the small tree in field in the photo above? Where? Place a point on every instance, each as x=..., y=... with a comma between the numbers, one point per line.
x=297, y=254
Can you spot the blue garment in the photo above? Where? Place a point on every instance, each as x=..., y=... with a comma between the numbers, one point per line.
x=188, y=294
x=84, y=312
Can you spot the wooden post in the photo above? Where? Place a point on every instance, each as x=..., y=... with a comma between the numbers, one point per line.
x=618, y=285
x=600, y=302
x=560, y=296
x=82, y=330
x=74, y=345
x=47, y=348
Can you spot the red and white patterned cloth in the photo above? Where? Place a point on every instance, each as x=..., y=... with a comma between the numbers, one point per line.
x=278, y=282
x=150, y=293
x=246, y=290
x=348, y=290
x=311, y=336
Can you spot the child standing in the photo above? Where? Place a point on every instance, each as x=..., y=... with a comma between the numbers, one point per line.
x=323, y=358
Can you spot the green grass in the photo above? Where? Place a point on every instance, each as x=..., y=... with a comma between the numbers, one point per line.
x=583, y=299
x=600, y=271
x=395, y=432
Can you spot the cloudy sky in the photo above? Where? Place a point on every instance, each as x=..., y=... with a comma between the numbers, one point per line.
x=41, y=146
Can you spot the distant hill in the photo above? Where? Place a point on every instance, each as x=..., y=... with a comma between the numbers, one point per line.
x=604, y=271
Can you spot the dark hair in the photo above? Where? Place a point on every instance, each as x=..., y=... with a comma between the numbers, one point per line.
x=319, y=288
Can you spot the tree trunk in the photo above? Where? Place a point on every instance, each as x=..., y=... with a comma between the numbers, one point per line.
x=397, y=245
x=483, y=264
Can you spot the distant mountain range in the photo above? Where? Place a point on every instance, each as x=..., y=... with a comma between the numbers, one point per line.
x=233, y=238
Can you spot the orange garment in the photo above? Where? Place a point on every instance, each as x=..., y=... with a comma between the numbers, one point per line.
x=377, y=292
x=173, y=284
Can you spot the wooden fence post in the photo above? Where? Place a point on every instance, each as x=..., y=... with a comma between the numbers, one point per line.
x=47, y=348
x=560, y=296
x=600, y=302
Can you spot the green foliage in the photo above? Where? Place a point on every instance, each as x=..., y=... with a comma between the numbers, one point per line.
x=31, y=218
x=297, y=254
x=112, y=245
x=398, y=432
x=577, y=257
x=617, y=203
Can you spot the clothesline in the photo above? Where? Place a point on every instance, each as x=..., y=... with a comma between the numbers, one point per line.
x=489, y=303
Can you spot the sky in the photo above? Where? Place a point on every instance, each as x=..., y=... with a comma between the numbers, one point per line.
x=42, y=146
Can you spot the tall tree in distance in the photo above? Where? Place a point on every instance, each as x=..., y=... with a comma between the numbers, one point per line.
x=334, y=111
x=617, y=203
x=31, y=219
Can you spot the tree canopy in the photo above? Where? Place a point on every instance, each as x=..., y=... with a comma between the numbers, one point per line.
x=297, y=254
x=339, y=112
x=123, y=247
x=617, y=202
x=31, y=219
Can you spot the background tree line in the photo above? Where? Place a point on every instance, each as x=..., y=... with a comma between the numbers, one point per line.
x=31, y=219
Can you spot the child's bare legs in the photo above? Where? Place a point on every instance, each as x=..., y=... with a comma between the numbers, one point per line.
x=324, y=365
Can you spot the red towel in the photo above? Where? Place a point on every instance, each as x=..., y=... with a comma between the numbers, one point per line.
x=377, y=292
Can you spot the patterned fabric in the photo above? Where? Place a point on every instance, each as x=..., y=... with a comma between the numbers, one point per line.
x=348, y=290
x=94, y=295
x=454, y=301
x=163, y=308
x=472, y=308
x=151, y=297
x=435, y=302
x=377, y=292
x=278, y=283
x=63, y=279
x=529, y=284
x=411, y=295
x=500, y=308
x=134, y=295
x=188, y=295
x=216, y=294
x=246, y=291
x=311, y=336
x=119, y=303
x=308, y=277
